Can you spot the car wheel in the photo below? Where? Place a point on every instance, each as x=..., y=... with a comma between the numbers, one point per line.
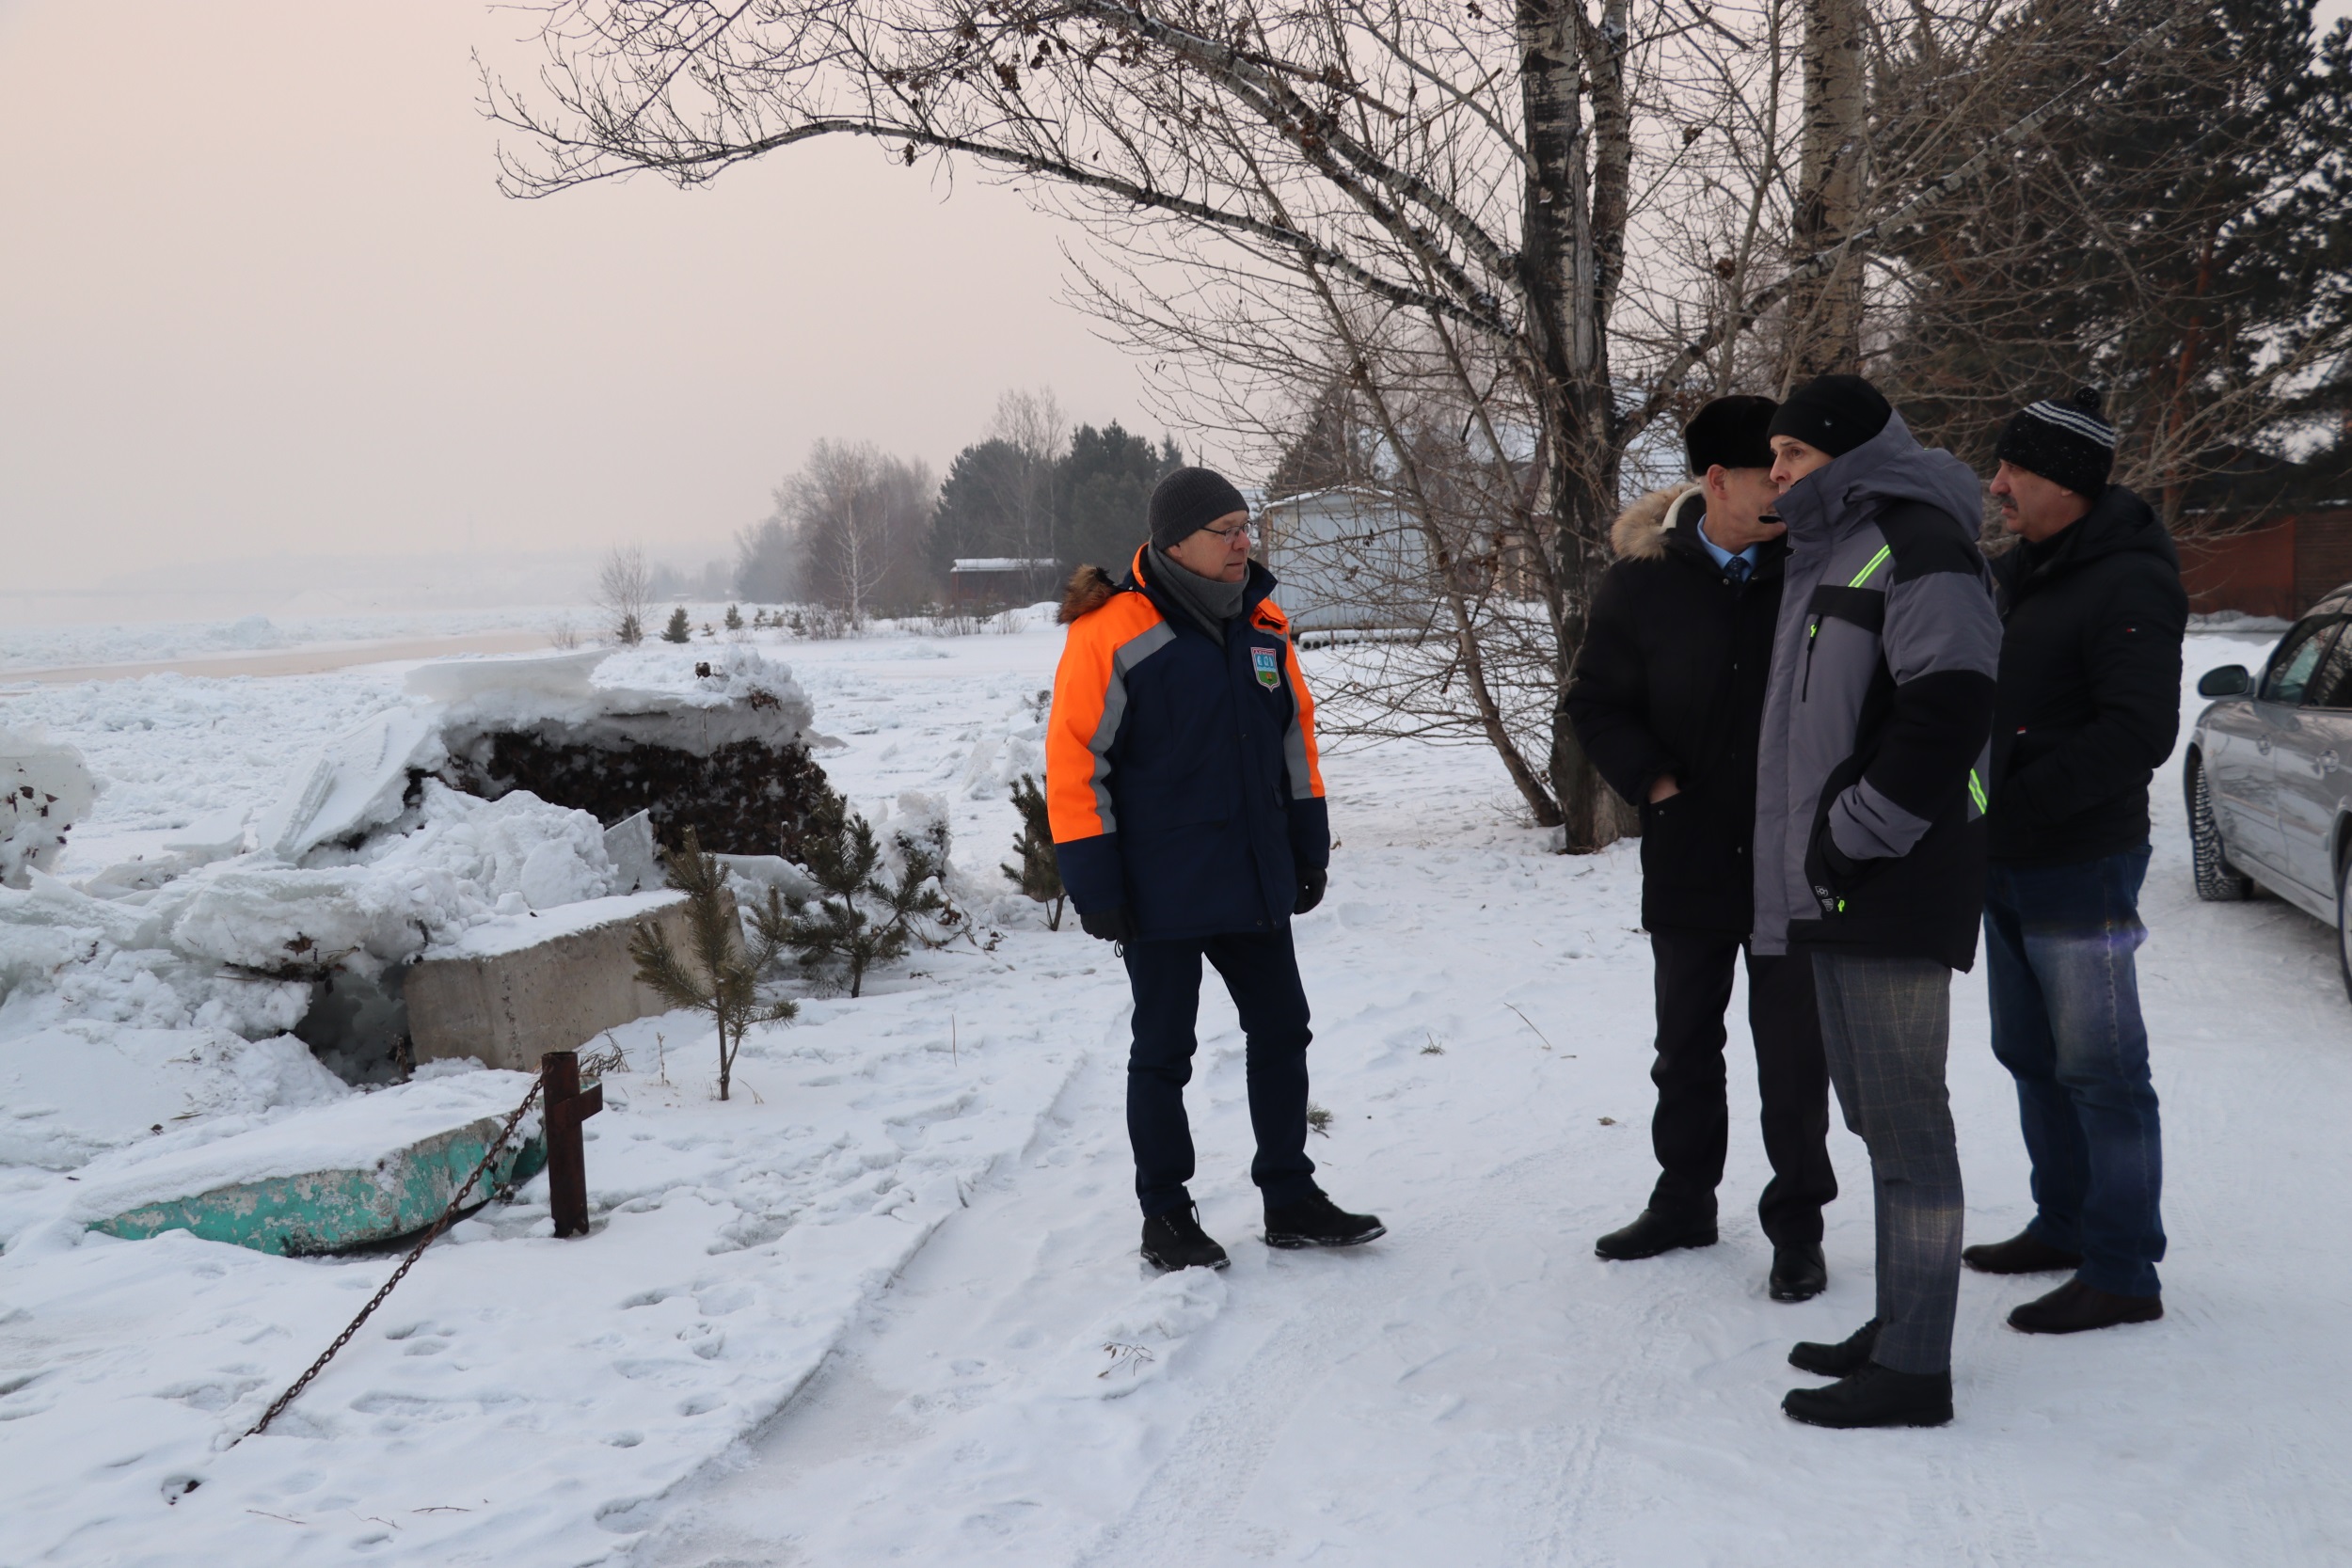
x=2343, y=923
x=2218, y=880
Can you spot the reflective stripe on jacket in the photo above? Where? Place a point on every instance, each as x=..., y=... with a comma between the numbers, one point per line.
x=1880, y=709
x=1182, y=778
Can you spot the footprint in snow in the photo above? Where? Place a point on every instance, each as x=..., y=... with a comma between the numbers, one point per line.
x=1133, y=1343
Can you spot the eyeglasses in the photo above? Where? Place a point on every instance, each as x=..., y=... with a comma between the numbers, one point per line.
x=1228, y=532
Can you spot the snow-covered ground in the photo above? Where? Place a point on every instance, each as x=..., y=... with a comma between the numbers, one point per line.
x=884, y=1304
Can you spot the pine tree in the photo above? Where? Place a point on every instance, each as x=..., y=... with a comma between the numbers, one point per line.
x=860, y=916
x=720, y=973
x=679, y=630
x=631, y=631
x=735, y=619
x=1038, y=875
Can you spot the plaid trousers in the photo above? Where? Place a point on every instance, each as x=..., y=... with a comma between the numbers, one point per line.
x=1886, y=1025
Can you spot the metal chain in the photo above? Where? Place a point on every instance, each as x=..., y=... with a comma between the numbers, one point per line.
x=496, y=1146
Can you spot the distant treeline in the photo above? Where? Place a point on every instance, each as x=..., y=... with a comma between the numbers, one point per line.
x=869, y=532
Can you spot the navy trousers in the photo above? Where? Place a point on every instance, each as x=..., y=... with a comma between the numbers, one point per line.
x=2065, y=990
x=1261, y=972
x=1691, y=1128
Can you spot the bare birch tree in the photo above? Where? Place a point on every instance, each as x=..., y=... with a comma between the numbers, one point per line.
x=624, y=591
x=861, y=515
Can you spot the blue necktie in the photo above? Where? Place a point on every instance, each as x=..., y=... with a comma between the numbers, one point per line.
x=1737, y=568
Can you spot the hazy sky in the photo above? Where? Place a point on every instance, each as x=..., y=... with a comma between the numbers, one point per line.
x=258, y=293
x=259, y=296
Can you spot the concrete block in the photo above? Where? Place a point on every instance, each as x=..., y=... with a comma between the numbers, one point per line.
x=517, y=987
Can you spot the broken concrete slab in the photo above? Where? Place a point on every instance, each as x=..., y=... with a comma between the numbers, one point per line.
x=508, y=991
x=365, y=1169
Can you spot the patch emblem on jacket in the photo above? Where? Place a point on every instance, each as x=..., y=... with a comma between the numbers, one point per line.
x=1269, y=668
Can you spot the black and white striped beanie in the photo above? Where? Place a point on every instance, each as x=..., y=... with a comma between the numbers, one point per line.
x=2066, y=443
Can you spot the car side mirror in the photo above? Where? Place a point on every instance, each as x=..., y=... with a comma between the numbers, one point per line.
x=2230, y=680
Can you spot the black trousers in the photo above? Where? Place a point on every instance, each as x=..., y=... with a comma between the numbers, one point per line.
x=1261, y=972
x=1693, y=1121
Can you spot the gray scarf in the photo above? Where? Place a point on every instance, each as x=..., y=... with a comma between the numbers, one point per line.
x=1209, y=601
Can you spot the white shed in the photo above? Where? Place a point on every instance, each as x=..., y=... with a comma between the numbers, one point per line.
x=1347, y=560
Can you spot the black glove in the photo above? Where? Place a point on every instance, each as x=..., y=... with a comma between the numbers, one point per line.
x=1110, y=924
x=1313, y=879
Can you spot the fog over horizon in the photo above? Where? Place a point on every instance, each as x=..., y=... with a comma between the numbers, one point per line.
x=267, y=320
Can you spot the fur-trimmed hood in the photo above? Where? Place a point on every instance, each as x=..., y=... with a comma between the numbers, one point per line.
x=1640, y=531
x=1090, y=588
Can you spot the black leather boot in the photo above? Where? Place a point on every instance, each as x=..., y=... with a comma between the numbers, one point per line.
x=1842, y=1359
x=1875, y=1397
x=2074, y=1307
x=1652, y=1233
x=1175, y=1240
x=2024, y=1253
x=1799, y=1273
x=1319, y=1222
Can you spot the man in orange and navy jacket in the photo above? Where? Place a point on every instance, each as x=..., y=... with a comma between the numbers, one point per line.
x=1188, y=818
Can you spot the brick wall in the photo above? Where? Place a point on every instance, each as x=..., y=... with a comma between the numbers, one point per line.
x=2252, y=573
x=2323, y=554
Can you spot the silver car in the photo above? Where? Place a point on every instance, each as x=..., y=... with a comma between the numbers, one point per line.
x=2269, y=774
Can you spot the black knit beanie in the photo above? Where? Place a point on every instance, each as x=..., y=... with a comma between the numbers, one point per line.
x=1833, y=414
x=2066, y=443
x=1731, y=431
x=1188, y=500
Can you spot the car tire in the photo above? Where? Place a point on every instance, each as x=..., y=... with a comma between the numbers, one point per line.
x=2343, y=923
x=2218, y=880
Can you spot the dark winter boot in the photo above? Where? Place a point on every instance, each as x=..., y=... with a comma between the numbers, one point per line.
x=1875, y=1397
x=1652, y=1233
x=1318, y=1222
x=1175, y=1240
x=1842, y=1359
x=1799, y=1273
x=2024, y=1253
x=2074, y=1307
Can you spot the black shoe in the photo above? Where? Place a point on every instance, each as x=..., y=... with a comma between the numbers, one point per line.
x=2024, y=1253
x=1875, y=1397
x=1798, y=1273
x=1842, y=1359
x=1175, y=1240
x=1652, y=1233
x=2074, y=1307
x=1318, y=1222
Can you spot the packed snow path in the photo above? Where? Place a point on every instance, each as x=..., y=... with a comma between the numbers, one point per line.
x=890, y=1309
x=1477, y=1388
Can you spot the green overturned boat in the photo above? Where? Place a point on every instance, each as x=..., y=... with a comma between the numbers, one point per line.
x=361, y=1171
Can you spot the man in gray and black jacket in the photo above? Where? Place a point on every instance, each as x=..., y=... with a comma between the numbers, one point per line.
x=1869, y=842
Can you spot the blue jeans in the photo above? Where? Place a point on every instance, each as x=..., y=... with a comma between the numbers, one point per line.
x=2058, y=945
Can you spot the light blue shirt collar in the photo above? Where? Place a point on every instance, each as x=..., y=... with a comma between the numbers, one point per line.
x=1723, y=557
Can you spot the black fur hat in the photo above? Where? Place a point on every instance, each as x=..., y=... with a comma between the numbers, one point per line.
x=1731, y=431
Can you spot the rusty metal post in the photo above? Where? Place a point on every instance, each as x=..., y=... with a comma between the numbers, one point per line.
x=569, y=1105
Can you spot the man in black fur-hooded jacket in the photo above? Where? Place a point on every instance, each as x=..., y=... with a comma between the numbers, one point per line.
x=1666, y=697
x=1870, y=843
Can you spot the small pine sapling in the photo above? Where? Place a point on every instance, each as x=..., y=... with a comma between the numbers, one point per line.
x=860, y=915
x=735, y=619
x=718, y=975
x=631, y=631
x=1038, y=875
x=679, y=630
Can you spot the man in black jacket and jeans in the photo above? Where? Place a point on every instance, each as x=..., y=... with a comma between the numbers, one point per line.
x=2087, y=705
x=1666, y=698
